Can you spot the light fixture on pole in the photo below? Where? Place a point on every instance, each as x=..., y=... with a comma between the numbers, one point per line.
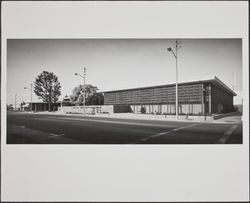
x=31, y=87
x=61, y=105
x=84, y=96
x=15, y=101
x=177, y=46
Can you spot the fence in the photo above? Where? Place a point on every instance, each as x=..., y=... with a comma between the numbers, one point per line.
x=91, y=110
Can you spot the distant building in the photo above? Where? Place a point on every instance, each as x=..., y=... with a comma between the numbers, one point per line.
x=66, y=101
x=43, y=106
x=196, y=97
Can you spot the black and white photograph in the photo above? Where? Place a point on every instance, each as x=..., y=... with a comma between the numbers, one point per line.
x=124, y=101
x=124, y=91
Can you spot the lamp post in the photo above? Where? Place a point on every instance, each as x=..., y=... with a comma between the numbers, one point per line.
x=84, y=76
x=61, y=105
x=31, y=87
x=177, y=46
x=15, y=101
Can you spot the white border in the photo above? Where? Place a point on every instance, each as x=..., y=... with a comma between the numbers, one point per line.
x=120, y=172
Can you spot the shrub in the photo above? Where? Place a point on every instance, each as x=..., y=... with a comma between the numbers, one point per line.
x=143, y=109
x=236, y=109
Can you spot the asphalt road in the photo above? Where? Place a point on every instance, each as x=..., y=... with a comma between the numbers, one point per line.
x=25, y=128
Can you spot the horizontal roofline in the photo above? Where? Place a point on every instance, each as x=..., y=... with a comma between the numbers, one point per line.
x=58, y=102
x=216, y=81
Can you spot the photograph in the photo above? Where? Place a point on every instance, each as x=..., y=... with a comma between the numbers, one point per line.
x=125, y=101
x=124, y=91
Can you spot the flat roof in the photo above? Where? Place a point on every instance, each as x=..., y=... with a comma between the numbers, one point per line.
x=44, y=102
x=216, y=81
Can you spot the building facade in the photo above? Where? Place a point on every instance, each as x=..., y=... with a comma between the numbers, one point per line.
x=43, y=106
x=197, y=98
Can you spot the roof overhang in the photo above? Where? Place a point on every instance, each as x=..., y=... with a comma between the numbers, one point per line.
x=218, y=83
x=215, y=81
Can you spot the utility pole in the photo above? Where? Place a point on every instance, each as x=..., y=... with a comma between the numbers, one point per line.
x=15, y=101
x=84, y=96
x=176, y=85
x=177, y=47
x=84, y=91
x=61, y=105
x=234, y=81
x=31, y=89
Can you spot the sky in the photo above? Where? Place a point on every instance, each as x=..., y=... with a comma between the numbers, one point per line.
x=113, y=64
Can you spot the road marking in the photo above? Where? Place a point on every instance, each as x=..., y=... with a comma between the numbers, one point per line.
x=53, y=135
x=22, y=126
x=105, y=121
x=162, y=133
x=184, y=127
x=226, y=135
x=165, y=133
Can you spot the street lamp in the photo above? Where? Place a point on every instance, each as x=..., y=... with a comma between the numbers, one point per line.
x=84, y=76
x=177, y=46
x=15, y=101
x=31, y=87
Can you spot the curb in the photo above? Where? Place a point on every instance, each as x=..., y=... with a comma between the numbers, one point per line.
x=137, y=118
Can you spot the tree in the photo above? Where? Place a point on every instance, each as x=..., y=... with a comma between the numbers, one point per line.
x=91, y=98
x=143, y=109
x=22, y=104
x=9, y=107
x=96, y=99
x=47, y=87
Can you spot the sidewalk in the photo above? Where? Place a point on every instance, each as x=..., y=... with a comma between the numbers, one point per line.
x=230, y=119
x=200, y=119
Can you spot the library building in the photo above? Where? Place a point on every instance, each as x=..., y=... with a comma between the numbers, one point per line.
x=201, y=97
